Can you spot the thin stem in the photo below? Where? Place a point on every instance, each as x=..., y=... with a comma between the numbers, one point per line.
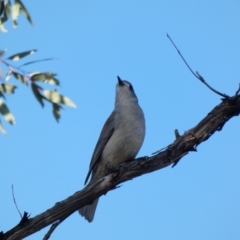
x=14, y=200
x=197, y=75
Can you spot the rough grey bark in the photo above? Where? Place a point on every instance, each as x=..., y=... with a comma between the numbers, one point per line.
x=214, y=121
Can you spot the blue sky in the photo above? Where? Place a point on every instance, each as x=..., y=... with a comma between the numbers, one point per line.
x=94, y=42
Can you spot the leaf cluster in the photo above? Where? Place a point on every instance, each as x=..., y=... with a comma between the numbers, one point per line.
x=6, y=9
x=31, y=79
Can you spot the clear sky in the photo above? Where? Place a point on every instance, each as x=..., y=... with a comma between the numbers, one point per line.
x=94, y=42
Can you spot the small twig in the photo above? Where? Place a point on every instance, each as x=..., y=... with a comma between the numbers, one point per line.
x=237, y=92
x=42, y=60
x=158, y=151
x=176, y=160
x=14, y=200
x=177, y=135
x=197, y=75
x=204, y=82
x=53, y=227
x=12, y=67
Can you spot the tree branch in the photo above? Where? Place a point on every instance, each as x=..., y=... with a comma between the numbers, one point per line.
x=214, y=121
x=53, y=227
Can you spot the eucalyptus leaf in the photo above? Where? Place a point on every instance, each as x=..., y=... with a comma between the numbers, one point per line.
x=15, y=13
x=1, y=7
x=56, y=111
x=6, y=15
x=46, y=77
x=2, y=95
x=20, y=55
x=25, y=11
x=7, y=88
x=4, y=111
x=20, y=78
x=7, y=11
x=37, y=94
x=67, y=101
x=56, y=97
x=2, y=28
x=2, y=130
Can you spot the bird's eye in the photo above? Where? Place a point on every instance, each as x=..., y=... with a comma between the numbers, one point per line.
x=131, y=88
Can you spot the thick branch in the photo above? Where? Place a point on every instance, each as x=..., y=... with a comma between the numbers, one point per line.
x=213, y=122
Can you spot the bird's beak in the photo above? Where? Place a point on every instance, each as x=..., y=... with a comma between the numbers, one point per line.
x=120, y=82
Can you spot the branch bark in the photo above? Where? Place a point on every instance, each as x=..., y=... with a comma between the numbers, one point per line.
x=213, y=122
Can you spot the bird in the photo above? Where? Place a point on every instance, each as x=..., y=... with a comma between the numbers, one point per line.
x=120, y=139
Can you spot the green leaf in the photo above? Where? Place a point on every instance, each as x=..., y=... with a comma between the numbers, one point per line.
x=20, y=78
x=55, y=97
x=2, y=28
x=4, y=111
x=20, y=55
x=2, y=130
x=7, y=11
x=15, y=13
x=1, y=7
x=6, y=15
x=24, y=11
x=7, y=88
x=46, y=77
x=37, y=94
x=2, y=95
x=56, y=111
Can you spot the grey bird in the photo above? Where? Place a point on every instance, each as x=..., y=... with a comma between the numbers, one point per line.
x=120, y=139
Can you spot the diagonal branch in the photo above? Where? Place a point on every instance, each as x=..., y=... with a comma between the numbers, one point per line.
x=213, y=122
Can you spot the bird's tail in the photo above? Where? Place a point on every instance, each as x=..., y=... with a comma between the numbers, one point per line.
x=88, y=211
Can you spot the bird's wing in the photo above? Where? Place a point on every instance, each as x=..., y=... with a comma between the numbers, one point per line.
x=105, y=135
